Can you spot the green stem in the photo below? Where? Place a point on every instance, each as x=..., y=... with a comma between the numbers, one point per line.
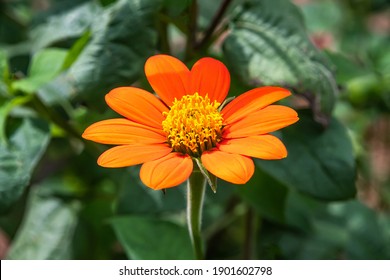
x=196, y=185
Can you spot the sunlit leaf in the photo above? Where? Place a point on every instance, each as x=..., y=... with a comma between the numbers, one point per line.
x=60, y=90
x=76, y=49
x=147, y=238
x=69, y=25
x=121, y=41
x=47, y=229
x=45, y=66
x=267, y=45
x=4, y=73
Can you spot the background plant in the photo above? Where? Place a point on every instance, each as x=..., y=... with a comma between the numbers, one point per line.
x=328, y=200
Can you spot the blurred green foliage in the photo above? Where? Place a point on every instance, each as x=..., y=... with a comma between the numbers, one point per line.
x=329, y=199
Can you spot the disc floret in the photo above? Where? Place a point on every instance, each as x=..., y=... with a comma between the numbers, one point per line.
x=193, y=124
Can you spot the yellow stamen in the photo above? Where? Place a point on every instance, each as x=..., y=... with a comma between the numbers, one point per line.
x=193, y=124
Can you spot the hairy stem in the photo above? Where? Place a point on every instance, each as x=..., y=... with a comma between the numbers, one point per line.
x=196, y=185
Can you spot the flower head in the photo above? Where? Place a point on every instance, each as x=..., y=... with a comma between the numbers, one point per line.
x=186, y=122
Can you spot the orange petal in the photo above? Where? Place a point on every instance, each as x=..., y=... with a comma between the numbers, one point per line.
x=210, y=76
x=266, y=120
x=128, y=155
x=252, y=101
x=137, y=105
x=166, y=172
x=261, y=146
x=168, y=76
x=123, y=132
x=233, y=168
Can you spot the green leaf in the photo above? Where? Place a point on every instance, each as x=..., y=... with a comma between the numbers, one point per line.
x=318, y=21
x=69, y=25
x=4, y=71
x=6, y=109
x=47, y=229
x=122, y=39
x=300, y=210
x=45, y=66
x=347, y=69
x=266, y=195
x=174, y=8
x=59, y=90
x=320, y=162
x=76, y=49
x=267, y=45
x=347, y=228
x=145, y=238
x=207, y=10
x=135, y=198
x=13, y=27
x=94, y=237
x=369, y=232
x=19, y=157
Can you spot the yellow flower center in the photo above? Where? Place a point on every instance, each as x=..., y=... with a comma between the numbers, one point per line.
x=193, y=124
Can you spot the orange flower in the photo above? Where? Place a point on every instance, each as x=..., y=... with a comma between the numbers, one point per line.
x=165, y=134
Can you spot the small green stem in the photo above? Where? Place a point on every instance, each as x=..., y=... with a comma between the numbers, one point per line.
x=57, y=119
x=54, y=117
x=196, y=185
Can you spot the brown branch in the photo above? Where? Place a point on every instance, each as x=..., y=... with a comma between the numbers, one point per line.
x=191, y=33
x=249, y=246
x=210, y=30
